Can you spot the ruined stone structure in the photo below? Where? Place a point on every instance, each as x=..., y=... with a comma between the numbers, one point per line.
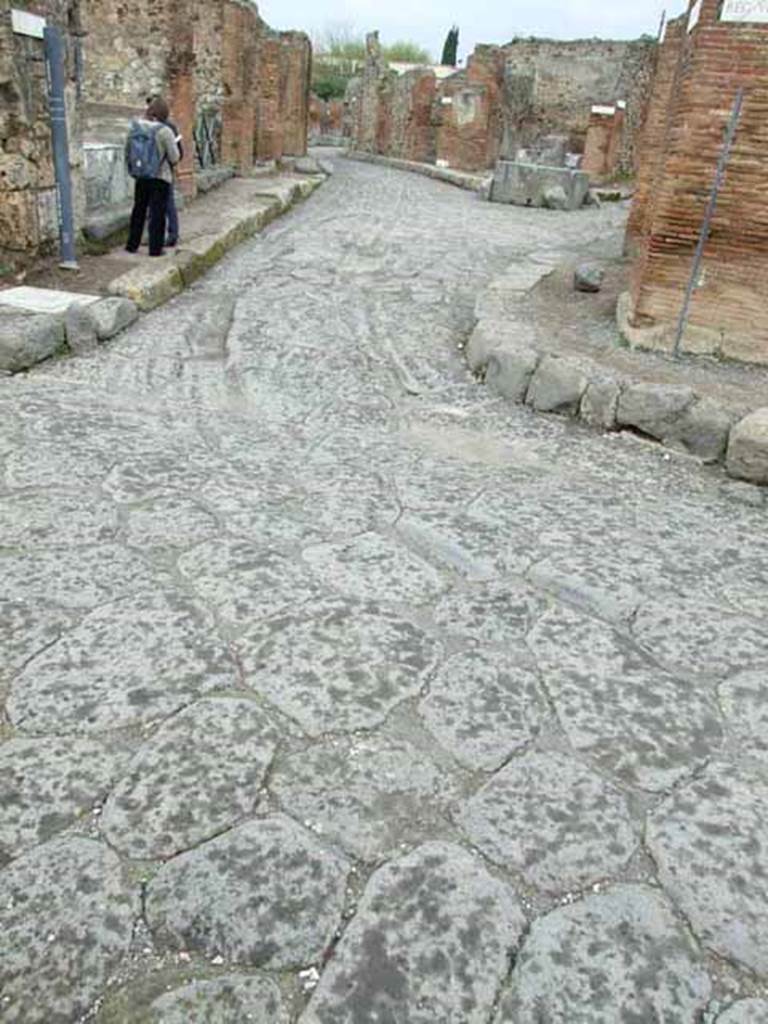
x=602, y=147
x=239, y=87
x=328, y=122
x=238, y=90
x=28, y=219
x=506, y=100
x=703, y=61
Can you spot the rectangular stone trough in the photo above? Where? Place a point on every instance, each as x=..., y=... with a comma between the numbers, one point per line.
x=556, y=188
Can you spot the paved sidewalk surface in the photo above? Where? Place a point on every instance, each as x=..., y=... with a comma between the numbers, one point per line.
x=336, y=691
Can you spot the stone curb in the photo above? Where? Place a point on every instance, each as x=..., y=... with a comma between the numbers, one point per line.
x=502, y=351
x=471, y=182
x=29, y=338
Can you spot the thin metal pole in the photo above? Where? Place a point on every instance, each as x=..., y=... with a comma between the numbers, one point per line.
x=54, y=59
x=708, y=216
x=662, y=26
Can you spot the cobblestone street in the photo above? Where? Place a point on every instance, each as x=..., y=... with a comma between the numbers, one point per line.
x=336, y=690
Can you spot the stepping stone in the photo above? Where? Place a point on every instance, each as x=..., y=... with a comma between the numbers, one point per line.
x=710, y=842
x=559, y=824
x=614, y=958
x=266, y=894
x=47, y=785
x=483, y=708
x=66, y=917
x=199, y=774
x=430, y=944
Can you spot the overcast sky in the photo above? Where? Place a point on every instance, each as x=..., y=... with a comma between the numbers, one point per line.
x=481, y=21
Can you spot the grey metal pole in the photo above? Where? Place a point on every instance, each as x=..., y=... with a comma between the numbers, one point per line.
x=54, y=60
x=708, y=216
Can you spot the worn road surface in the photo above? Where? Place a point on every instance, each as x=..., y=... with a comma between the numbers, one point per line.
x=336, y=691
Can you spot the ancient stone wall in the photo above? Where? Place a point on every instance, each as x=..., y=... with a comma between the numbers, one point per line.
x=327, y=121
x=470, y=119
x=728, y=315
x=28, y=212
x=603, y=144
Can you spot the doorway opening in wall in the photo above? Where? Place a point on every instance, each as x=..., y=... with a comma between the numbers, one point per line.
x=208, y=139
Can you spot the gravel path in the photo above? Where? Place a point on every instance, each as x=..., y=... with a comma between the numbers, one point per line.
x=335, y=691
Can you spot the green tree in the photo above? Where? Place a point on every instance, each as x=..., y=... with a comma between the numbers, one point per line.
x=451, y=48
x=406, y=52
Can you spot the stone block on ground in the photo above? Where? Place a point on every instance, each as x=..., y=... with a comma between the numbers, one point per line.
x=430, y=942
x=703, y=430
x=588, y=278
x=536, y=185
x=612, y=958
x=654, y=408
x=150, y=284
x=307, y=165
x=81, y=329
x=66, y=916
x=558, y=385
x=113, y=316
x=600, y=404
x=26, y=339
x=267, y=893
x=510, y=370
x=748, y=448
x=494, y=334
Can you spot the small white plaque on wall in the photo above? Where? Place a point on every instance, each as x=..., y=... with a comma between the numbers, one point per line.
x=695, y=15
x=745, y=10
x=25, y=24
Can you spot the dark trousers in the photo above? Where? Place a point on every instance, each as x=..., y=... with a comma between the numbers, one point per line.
x=151, y=195
x=172, y=235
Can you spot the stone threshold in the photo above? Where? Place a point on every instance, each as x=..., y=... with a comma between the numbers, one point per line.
x=480, y=183
x=129, y=284
x=502, y=351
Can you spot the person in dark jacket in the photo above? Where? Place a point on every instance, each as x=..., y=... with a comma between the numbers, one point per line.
x=172, y=230
x=152, y=193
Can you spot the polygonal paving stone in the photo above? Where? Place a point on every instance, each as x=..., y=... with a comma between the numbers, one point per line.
x=744, y=700
x=185, y=998
x=199, y=774
x=76, y=577
x=66, y=917
x=710, y=842
x=160, y=472
x=484, y=707
x=41, y=465
x=643, y=726
x=620, y=957
x=265, y=894
x=170, y=522
x=748, y=1011
x=375, y=568
x=245, y=582
x=337, y=666
x=745, y=587
x=553, y=820
x=26, y=629
x=128, y=662
x=691, y=636
x=367, y=795
x=496, y=614
x=48, y=783
x=37, y=519
x=430, y=944
x=477, y=549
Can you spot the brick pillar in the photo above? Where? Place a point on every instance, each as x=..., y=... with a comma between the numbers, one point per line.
x=238, y=109
x=181, y=90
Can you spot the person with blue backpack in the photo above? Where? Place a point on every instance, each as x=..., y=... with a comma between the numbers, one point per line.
x=151, y=153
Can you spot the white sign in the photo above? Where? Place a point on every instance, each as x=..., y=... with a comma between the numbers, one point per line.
x=605, y=111
x=26, y=24
x=695, y=15
x=745, y=10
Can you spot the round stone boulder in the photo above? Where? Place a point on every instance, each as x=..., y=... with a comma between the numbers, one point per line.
x=66, y=920
x=559, y=824
x=710, y=842
x=614, y=958
x=265, y=894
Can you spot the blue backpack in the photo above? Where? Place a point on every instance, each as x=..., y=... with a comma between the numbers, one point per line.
x=142, y=151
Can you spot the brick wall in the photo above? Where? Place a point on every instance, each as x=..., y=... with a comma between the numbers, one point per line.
x=470, y=118
x=729, y=314
x=327, y=120
x=28, y=217
x=602, y=148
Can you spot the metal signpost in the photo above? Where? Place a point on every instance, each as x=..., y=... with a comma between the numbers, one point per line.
x=708, y=216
